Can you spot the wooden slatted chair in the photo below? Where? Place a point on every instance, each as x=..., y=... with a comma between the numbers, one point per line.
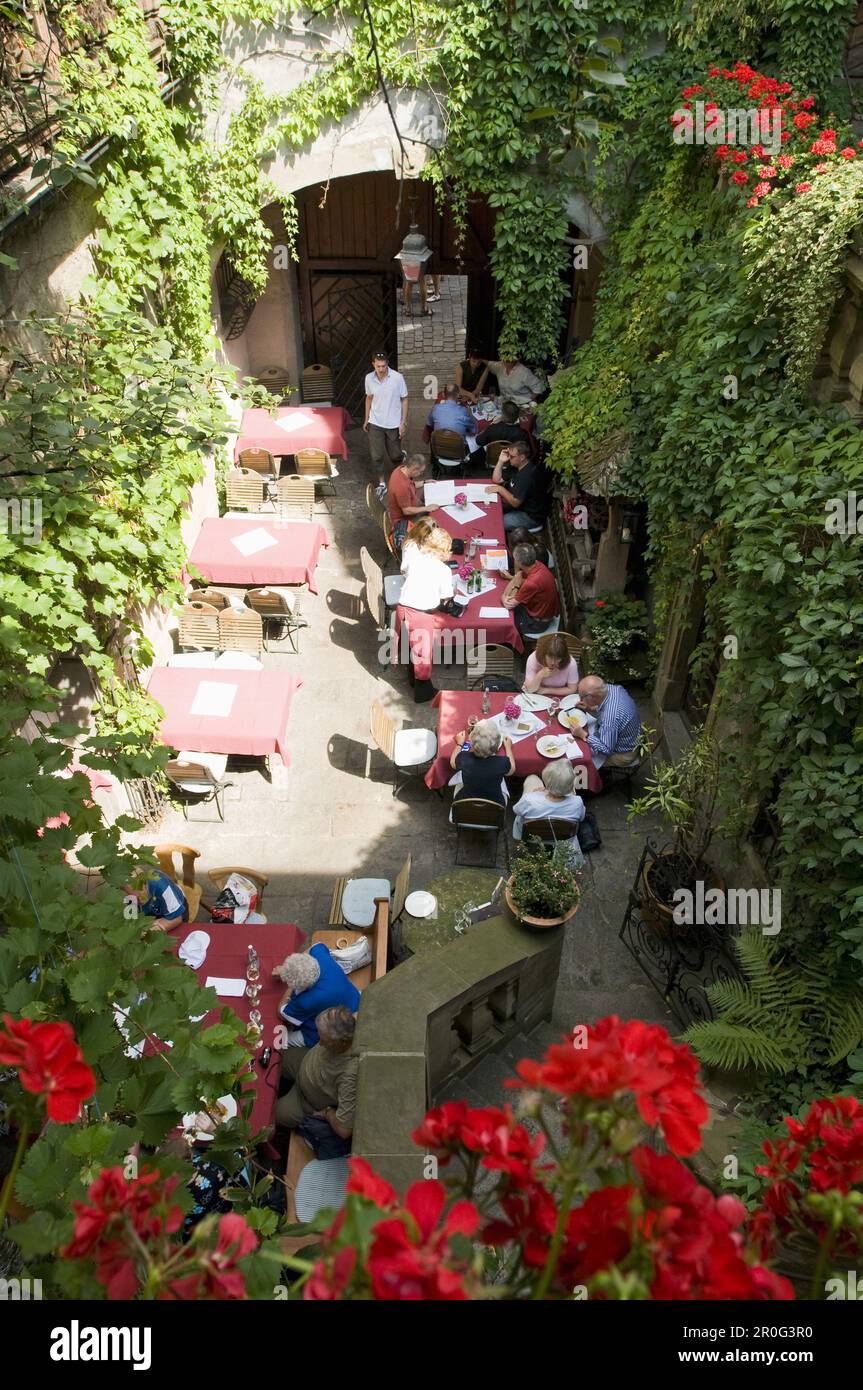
x=219, y=878
x=377, y=510
x=296, y=497
x=244, y=491
x=448, y=452
x=574, y=645
x=478, y=814
x=550, y=829
x=390, y=585
x=389, y=538
x=493, y=451
x=399, y=895
x=184, y=876
x=374, y=590
x=198, y=777
x=199, y=626
x=214, y=597
x=317, y=465
x=259, y=461
x=280, y=614
x=499, y=661
x=241, y=632
x=411, y=751
x=317, y=385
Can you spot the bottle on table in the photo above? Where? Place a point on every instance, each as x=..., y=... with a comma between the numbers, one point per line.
x=486, y=704
x=253, y=965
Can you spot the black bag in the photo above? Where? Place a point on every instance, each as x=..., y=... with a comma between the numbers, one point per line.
x=322, y=1138
x=589, y=837
x=499, y=683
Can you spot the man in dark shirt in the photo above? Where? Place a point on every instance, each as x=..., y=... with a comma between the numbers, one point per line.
x=507, y=429
x=516, y=481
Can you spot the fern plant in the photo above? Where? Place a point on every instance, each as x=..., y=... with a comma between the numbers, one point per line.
x=781, y=1016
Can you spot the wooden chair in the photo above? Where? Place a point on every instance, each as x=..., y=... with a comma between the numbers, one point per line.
x=399, y=895
x=317, y=465
x=184, y=877
x=499, y=661
x=650, y=741
x=493, y=452
x=241, y=632
x=244, y=490
x=198, y=779
x=219, y=878
x=411, y=751
x=199, y=626
x=296, y=496
x=280, y=615
x=574, y=645
x=317, y=385
x=374, y=590
x=259, y=461
x=389, y=538
x=448, y=451
x=485, y=817
x=550, y=829
x=214, y=597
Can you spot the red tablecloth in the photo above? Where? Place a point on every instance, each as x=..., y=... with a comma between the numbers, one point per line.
x=417, y=631
x=454, y=707
x=291, y=560
x=490, y=525
x=325, y=430
x=227, y=954
x=256, y=725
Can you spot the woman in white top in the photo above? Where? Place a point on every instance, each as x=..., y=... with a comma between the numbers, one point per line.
x=415, y=540
x=550, y=669
x=553, y=796
x=429, y=579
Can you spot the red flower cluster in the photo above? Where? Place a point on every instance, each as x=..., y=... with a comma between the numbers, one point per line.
x=128, y=1221
x=634, y=1057
x=49, y=1063
x=505, y=1145
x=824, y=1152
x=104, y=1227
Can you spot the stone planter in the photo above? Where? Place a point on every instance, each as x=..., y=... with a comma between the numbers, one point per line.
x=539, y=923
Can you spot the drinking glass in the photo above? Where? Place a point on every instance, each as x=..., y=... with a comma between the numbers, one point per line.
x=253, y=992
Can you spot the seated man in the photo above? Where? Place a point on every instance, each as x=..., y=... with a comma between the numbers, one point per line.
x=314, y=982
x=516, y=382
x=449, y=414
x=532, y=593
x=614, y=736
x=403, y=501
x=324, y=1076
x=162, y=899
x=507, y=428
x=517, y=482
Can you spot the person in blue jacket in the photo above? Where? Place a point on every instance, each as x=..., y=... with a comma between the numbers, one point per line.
x=314, y=982
x=163, y=899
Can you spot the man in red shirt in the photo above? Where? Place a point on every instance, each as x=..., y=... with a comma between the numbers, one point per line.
x=402, y=500
x=532, y=593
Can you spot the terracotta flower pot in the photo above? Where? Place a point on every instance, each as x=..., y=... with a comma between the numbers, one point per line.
x=657, y=913
x=539, y=923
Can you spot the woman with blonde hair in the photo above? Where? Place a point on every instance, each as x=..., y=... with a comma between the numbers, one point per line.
x=550, y=669
x=479, y=766
x=429, y=579
x=415, y=540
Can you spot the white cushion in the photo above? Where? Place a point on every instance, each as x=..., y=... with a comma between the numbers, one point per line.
x=239, y=661
x=414, y=746
x=393, y=585
x=215, y=763
x=206, y=659
x=358, y=900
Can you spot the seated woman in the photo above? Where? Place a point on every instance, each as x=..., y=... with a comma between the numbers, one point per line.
x=314, y=982
x=429, y=579
x=163, y=899
x=480, y=766
x=550, y=669
x=415, y=540
x=471, y=375
x=551, y=796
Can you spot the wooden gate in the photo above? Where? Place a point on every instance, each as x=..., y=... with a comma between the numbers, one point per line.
x=353, y=315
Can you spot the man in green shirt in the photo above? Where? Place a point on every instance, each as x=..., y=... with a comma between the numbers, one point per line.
x=324, y=1076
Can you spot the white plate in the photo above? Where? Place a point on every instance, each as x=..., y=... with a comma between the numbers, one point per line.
x=576, y=715
x=549, y=743
x=569, y=701
x=203, y=1136
x=534, y=702
x=420, y=904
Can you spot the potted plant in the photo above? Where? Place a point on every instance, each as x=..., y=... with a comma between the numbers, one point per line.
x=542, y=892
x=686, y=794
x=618, y=632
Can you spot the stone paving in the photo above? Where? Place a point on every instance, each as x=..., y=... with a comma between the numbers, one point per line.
x=332, y=811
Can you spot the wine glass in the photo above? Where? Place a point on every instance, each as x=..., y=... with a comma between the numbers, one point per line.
x=253, y=992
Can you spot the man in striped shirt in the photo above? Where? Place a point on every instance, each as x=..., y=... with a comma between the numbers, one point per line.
x=614, y=735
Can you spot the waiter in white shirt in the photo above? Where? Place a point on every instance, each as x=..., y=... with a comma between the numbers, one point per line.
x=386, y=415
x=516, y=382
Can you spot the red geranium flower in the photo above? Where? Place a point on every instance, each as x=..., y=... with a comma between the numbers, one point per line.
x=366, y=1183
x=219, y=1277
x=633, y=1057
x=802, y=187
x=600, y=603
x=802, y=120
x=740, y=178
x=739, y=156
x=49, y=1063
x=104, y=1227
x=329, y=1278
x=848, y=152
x=409, y=1260
x=785, y=161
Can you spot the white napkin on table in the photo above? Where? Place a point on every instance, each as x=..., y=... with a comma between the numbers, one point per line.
x=194, y=949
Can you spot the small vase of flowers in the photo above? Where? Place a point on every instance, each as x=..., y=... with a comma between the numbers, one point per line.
x=460, y=499
x=511, y=712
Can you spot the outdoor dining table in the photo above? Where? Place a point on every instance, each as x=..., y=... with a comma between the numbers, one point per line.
x=259, y=551
x=418, y=630
x=489, y=526
x=224, y=711
x=226, y=958
x=295, y=427
x=454, y=707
